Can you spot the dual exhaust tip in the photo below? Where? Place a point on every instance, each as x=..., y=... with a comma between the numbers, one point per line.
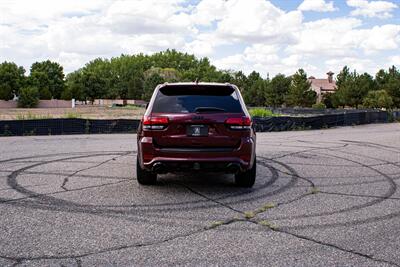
x=160, y=168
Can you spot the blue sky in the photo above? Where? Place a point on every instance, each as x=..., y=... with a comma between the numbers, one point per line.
x=277, y=36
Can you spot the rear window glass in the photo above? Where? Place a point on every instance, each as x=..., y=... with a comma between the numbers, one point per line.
x=191, y=99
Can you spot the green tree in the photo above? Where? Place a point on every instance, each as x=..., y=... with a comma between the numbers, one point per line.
x=352, y=88
x=48, y=76
x=39, y=79
x=150, y=84
x=135, y=86
x=94, y=86
x=11, y=80
x=390, y=82
x=300, y=93
x=74, y=87
x=240, y=80
x=255, y=95
x=28, y=97
x=276, y=91
x=378, y=99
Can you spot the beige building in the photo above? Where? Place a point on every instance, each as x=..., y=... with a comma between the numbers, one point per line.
x=323, y=86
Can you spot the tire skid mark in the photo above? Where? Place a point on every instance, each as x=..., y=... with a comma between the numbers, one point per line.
x=216, y=201
x=333, y=246
x=66, y=179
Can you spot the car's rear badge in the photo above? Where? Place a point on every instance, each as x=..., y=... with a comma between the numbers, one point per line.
x=197, y=117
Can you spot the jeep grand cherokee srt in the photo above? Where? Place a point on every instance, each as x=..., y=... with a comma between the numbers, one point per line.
x=196, y=127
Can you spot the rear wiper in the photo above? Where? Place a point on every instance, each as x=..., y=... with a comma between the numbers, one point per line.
x=207, y=109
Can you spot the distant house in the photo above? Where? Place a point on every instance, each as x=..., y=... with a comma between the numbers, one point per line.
x=323, y=86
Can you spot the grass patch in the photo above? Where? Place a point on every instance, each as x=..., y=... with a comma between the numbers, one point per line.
x=72, y=115
x=249, y=214
x=314, y=190
x=216, y=224
x=30, y=116
x=261, y=112
x=267, y=224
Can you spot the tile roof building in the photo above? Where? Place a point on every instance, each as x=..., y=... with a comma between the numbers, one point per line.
x=323, y=86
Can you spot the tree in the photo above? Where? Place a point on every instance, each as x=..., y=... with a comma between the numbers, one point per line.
x=300, y=93
x=94, y=86
x=11, y=80
x=150, y=84
x=378, y=99
x=240, y=80
x=135, y=86
x=390, y=82
x=74, y=87
x=352, y=88
x=277, y=89
x=255, y=95
x=40, y=80
x=47, y=75
x=342, y=77
x=28, y=97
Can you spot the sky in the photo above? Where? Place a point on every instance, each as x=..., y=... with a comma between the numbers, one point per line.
x=276, y=36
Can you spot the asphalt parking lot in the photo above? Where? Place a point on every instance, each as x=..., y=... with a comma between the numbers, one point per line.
x=323, y=197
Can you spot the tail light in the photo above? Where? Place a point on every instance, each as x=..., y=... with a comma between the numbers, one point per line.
x=155, y=123
x=238, y=123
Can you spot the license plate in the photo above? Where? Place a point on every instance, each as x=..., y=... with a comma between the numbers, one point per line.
x=197, y=130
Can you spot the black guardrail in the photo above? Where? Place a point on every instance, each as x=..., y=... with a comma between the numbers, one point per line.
x=314, y=111
x=66, y=126
x=287, y=123
x=281, y=123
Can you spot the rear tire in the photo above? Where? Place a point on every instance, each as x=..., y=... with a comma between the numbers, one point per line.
x=247, y=178
x=144, y=177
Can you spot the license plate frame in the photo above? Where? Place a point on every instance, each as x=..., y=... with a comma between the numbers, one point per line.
x=197, y=130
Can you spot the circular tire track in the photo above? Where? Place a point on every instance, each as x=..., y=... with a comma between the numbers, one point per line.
x=49, y=202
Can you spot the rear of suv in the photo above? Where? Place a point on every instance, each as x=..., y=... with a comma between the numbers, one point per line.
x=196, y=127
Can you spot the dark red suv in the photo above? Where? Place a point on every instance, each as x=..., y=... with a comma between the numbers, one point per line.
x=191, y=127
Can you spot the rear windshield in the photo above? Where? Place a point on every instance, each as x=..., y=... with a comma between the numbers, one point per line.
x=197, y=98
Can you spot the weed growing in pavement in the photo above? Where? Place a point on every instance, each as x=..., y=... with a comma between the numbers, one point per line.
x=268, y=224
x=249, y=214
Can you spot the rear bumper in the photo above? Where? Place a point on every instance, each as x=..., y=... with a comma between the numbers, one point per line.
x=196, y=159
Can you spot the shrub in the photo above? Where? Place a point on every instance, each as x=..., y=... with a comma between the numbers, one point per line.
x=378, y=99
x=260, y=112
x=319, y=106
x=28, y=97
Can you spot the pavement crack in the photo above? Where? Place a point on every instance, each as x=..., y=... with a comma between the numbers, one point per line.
x=57, y=192
x=78, y=262
x=358, y=195
x=66, y=179
x=334, y=246
x=209, y=198
x=77, y=258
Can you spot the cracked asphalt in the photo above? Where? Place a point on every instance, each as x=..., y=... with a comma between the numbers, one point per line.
x=323, y=197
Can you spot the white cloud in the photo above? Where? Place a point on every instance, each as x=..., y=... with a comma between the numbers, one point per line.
x=264, y=59
x=371, y=9
x=386, y=37
x=317, y=5
x=138, y=17
x=208, y=11
x=257, y=21
x=343, y=37
x=394, y=60
x=237, y=34
x=354, y=63
x=332, y=37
